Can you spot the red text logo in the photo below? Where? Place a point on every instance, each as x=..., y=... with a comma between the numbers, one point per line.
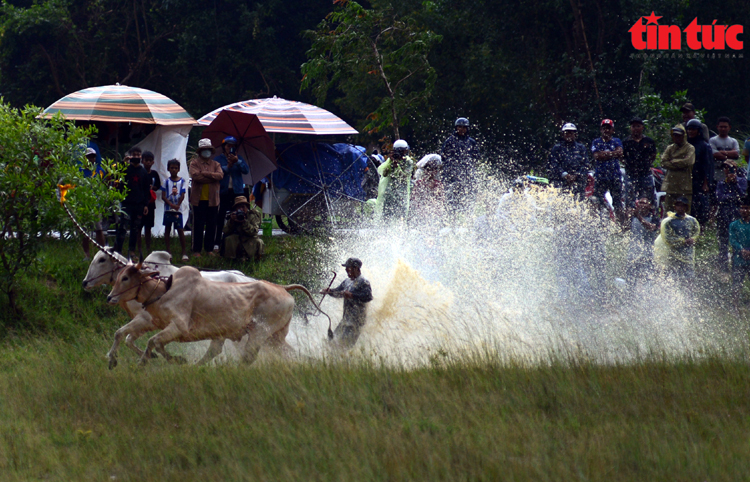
x=652, y=36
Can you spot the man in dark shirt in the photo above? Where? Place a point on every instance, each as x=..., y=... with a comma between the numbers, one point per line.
x=569, y=163
x=357, y=293
x=135, y=204
x=639, y=153
x=703, y=174
x=460, y=155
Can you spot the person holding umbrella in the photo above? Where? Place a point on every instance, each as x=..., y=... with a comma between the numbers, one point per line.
x=206, y=175
x=232, y=185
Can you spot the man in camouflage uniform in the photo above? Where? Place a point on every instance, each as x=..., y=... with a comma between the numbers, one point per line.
x=357, y=293
x=241, y=231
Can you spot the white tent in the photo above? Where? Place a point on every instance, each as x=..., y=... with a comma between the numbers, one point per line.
x=168, y=142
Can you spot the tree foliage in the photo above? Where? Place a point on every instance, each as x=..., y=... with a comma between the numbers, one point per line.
x=376, y=52
x=36, y=155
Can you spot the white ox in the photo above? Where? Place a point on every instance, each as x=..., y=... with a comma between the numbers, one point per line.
x=104, y=269
x=190, y=308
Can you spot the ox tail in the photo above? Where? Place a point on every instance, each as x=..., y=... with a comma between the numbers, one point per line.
x=289, y=288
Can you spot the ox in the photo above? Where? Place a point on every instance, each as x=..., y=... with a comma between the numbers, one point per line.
x=188, y=308
x=106, y=266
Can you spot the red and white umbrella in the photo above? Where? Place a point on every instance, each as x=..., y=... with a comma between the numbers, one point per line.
x=253, y=143
x=287, y=116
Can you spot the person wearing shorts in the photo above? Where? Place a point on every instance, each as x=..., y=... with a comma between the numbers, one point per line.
x=173, y=194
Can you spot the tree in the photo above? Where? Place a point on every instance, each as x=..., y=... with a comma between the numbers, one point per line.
x=35, y=156
x=377, y=59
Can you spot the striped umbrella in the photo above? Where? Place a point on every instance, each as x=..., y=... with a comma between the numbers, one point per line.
x=120, y=103
x=287, y=116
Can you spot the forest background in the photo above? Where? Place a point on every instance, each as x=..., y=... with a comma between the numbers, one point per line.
x=517, y=70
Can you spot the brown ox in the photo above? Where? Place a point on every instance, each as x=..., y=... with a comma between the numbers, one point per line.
x=191, y=308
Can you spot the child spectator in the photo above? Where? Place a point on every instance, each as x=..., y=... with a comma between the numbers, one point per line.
x=173, y=193
x=729, y=194
x=739, y=238
x=679, y=232
x=147, y=159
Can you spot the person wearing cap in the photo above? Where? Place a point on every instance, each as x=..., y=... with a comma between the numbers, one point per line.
x=639, y=154
x=147, y=159
x=241, y=238
x=394, y=187
x=703, y=173
x=356, y=292
x=206, y=175
x=135, y=204
x=723, y=147
x=232, y=185
x=739, y=238
x=688, y=112
x=569, y=163
x=678, y=158
x=460, y=155
x=607, y=151
x=729, y=195
x=89, y=167
x=679, y=232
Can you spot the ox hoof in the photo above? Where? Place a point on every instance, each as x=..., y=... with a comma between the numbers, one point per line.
x=178, y=360
x=112, y=363
x=153, y=356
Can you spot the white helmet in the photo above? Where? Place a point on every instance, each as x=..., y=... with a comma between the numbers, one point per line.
x=400, y=145
x=569, y=127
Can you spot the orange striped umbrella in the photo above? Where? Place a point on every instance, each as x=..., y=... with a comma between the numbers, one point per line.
x=120, y=103
x=287, y=116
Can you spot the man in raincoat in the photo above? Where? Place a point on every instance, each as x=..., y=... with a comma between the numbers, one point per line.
x=678, y=159
x=679, y=232
x=394, y=188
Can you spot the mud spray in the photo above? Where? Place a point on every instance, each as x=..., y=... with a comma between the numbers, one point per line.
x=532, y=275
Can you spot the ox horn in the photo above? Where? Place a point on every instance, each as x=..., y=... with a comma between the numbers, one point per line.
x=61, y=192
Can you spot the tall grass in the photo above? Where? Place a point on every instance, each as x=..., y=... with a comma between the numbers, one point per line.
x=66, y=417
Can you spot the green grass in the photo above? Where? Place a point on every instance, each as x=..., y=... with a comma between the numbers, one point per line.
x=471, y=416
x=66, y=417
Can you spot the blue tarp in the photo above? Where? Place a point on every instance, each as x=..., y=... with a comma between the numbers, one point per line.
x=340, y=166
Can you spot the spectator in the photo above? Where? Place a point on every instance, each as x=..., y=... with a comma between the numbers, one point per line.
x=739, y=238
x=729, y=195
x=607, y=153
x=723, y=147
x=428, y=197
x=357, y=293
x=173, y=195
x=206, y=175
x=394, y=188
x=639, y=153
x=135, y=204
x=679, y=232
x=569, y=163
x=644, y=228
x=232, y=185
x=703, y=173
x=89, y=168
x=688, y=112
x=241, y=238
x=746, y=150
x=460, y=155
x=147, y=158
x=678, y=158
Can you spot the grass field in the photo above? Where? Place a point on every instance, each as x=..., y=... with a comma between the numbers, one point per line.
x=478, y=416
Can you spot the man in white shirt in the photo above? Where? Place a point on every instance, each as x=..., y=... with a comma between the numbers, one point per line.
x=723, y=147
